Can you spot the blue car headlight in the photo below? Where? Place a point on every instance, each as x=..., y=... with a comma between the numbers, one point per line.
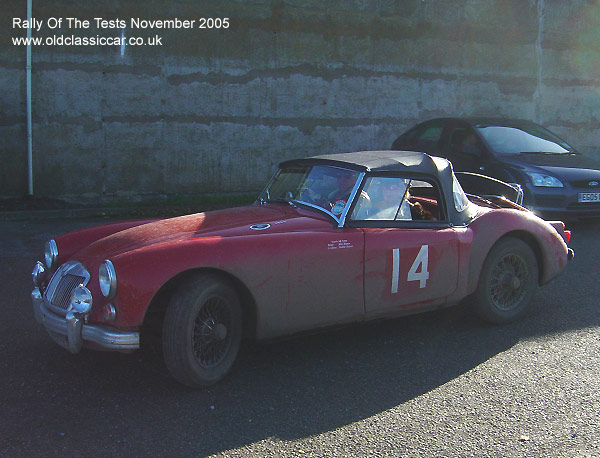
x=541, y=180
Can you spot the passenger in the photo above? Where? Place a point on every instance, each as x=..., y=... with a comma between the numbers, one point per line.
x=392, y=193
x=382, y=203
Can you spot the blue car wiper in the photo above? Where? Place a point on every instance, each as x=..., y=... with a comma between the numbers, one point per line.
x=548, y=153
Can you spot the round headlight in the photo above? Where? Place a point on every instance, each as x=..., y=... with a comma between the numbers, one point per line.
x=50, y=253
x=38, y=274
x=81, y=299
x=107, y=277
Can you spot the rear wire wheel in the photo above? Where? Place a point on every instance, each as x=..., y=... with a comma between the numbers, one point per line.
x=202, y=331
x=507, y=283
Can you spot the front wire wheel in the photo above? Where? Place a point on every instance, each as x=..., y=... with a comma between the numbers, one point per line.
x=211, y=339
x=507, y=282
x=202, y=331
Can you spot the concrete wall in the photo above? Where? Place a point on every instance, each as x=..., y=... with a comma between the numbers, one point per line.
x=216, y=110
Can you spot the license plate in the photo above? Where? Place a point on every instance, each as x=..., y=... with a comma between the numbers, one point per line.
x=589, y=197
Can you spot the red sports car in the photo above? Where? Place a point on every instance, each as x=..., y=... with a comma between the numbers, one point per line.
x=332, y=239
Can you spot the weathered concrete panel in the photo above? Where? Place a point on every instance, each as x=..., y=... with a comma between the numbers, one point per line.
x=13, y=159
x=216, y=110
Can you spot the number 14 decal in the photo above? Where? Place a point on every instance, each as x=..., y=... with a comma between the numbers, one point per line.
x=421, y=261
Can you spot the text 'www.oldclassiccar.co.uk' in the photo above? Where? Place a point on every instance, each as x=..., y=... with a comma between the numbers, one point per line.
x=72, y=26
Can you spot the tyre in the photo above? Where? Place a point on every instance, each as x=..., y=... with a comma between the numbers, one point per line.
x=507, y=283
x=202, y=331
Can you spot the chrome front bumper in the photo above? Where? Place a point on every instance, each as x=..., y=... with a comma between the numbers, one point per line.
x=71, y=331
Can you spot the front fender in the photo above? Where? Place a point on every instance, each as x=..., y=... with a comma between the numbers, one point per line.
x=259, y=266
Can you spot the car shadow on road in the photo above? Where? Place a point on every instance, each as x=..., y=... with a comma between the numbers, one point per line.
x=282, y=390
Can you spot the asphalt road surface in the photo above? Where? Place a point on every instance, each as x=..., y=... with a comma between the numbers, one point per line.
x=441, y=384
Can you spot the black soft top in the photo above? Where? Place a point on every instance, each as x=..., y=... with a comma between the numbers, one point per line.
x=377, y=161
x=396, y=161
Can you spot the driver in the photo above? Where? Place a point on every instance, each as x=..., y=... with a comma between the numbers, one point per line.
x=337, y=198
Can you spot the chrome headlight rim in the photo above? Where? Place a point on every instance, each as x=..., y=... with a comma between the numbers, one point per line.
x=50, y=253
x=543, y=180
x=107, y=278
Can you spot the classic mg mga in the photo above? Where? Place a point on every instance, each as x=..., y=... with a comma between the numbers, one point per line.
x=332, y=239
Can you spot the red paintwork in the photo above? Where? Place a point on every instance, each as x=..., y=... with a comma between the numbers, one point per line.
x=302, y=272
x=442, y=267
x=73, y=242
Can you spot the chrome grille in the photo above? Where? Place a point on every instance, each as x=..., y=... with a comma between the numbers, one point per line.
x=62, y=294
x=68, y=276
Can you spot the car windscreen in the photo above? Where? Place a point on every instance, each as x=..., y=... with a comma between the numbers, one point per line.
x=522, y=139
x=325, y=187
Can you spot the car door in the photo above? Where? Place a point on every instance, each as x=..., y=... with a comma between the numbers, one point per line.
x=463, y=148
x=407, y=268
x=324, y=278
x=468, y=153
x=410, y=262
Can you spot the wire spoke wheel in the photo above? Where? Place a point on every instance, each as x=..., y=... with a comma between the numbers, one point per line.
x=508, y=281
x=212, y=332
x=202, y=330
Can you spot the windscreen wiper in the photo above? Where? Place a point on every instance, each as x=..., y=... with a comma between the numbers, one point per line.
x=288, y=199
x=548, y=153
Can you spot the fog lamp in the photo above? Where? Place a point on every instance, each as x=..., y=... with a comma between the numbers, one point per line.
x=81, y=299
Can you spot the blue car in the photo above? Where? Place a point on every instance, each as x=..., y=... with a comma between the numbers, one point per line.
x=555, y=178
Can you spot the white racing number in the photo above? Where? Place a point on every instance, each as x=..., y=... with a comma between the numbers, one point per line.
x=419, y=271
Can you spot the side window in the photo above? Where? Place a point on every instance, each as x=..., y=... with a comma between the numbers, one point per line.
x=381, y=199
x=397, y=199
x=424, y=199
x=460, y=198
x=428, y=138
x=463, y=141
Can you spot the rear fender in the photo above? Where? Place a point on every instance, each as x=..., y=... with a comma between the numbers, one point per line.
x=546, y=242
